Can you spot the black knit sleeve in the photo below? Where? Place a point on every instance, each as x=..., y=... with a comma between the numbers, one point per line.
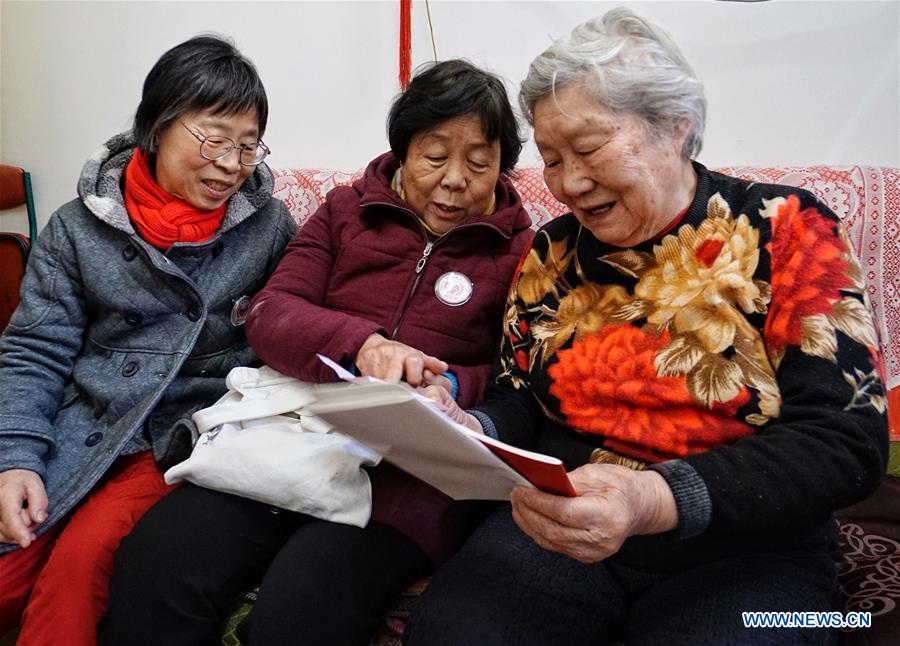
x=824, y=445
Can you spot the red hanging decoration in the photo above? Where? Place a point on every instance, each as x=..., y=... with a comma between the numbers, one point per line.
x=405, y=62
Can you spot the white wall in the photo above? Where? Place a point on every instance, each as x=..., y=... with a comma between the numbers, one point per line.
x=788, y=82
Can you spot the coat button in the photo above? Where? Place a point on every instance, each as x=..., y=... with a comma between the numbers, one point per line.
x=130, y=368
x=133, y=317
x=93, y=439
x=217, y=250
x=129, y=253
x=240, y=310
x=194, y=313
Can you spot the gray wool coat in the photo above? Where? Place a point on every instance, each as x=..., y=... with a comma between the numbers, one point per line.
x=116, y=343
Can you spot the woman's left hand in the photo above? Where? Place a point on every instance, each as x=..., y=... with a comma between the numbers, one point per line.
x=613, y=503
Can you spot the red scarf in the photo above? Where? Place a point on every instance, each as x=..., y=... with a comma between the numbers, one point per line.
x=161, y=218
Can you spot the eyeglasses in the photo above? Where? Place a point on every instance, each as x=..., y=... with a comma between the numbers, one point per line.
x=216, y=148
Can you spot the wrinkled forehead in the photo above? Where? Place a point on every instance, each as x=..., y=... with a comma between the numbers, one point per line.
x=571, y=111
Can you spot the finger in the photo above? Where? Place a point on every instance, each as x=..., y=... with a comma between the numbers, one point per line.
x=431, y=379
x=439, y=396
x=10, y=502
x=537, y=522
x=25, y=517
x=6, y=537
x=36, y=496
x=446, y=404
x=392, y=370
x=560, y=510
x=10, y=517
x=525, y=522
x=413, y=367
x=430, y=392
x=536, y=528
x=9, y=538
x=435, y=365
x=546, y=504
x=576, y=543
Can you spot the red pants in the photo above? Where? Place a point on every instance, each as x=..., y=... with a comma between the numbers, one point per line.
x=67, y=570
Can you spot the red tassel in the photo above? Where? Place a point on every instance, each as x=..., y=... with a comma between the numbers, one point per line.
x=405, y=63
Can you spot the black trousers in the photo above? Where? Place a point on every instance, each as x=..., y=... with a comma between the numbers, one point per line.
x=502, y=588
x=193, y=553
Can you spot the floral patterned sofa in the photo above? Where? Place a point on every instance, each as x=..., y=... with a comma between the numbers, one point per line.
x=867, y=199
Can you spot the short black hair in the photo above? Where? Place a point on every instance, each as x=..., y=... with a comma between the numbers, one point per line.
x=204, y=73
x=449, y=89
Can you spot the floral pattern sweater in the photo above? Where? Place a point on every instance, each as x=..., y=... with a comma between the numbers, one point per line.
x=735, y=354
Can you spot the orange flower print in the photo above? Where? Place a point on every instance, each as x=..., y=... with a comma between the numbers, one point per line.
x=607, y=384
x=809, y=267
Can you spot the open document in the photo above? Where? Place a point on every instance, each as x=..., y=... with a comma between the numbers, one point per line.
x=411, y=432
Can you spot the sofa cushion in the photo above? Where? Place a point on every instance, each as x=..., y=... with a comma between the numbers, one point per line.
x=870, y=572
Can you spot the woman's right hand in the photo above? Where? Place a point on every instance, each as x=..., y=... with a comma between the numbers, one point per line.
x=450, y=408
x=392, y=361
x=613, y=504
x=19, y=486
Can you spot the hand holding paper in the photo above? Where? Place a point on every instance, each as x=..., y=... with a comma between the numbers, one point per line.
x=413, y=433
x=614, y=503
x=392, y=361
x=441, y=397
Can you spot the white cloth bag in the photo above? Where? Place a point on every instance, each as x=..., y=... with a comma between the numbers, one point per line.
x=257, y=443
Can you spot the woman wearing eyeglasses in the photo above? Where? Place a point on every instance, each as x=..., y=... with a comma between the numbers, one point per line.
x=131, y=316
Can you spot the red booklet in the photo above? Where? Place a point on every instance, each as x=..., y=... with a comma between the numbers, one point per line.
x=543, y=471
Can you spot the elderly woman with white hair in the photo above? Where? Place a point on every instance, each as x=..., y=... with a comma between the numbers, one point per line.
x=696, y=348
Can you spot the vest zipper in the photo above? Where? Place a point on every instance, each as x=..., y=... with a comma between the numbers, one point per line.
x=419, y=267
